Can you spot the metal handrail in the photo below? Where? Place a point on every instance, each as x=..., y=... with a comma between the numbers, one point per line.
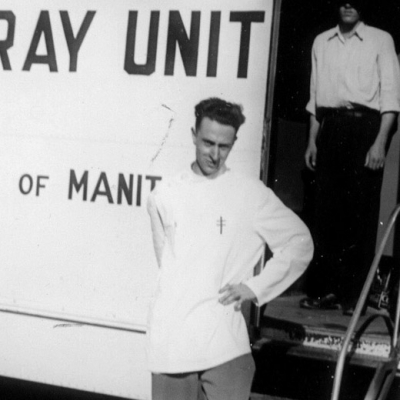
x=360, y=305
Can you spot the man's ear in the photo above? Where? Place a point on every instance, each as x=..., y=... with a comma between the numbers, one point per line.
x=194, y=135
x=234, y=140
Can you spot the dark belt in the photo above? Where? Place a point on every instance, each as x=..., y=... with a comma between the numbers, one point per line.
x=357, y=112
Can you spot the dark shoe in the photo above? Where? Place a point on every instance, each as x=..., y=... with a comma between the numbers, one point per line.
x=328, y=302
x=350, y=311
x=309, y=303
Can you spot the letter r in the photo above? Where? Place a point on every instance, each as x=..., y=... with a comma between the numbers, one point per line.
x=9, y=40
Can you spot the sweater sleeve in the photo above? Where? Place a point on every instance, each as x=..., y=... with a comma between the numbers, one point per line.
x=157, y=227
x=290, y=243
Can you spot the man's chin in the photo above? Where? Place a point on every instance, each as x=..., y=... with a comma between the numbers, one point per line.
x=209, y=170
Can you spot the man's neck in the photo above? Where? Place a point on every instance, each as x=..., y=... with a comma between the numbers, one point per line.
x=347, y=30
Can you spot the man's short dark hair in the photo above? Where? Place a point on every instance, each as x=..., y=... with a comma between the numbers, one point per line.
x=359, y=5
x=220, y=111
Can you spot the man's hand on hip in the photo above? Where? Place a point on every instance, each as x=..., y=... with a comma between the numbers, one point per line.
x=236, y=294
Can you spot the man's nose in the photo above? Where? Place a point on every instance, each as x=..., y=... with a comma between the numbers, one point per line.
x=215, y=153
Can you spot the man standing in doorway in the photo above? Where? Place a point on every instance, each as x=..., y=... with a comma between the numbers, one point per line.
x=354, y=101
x=210, y=226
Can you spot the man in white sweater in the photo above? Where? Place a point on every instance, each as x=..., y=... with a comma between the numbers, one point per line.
x=210, y=227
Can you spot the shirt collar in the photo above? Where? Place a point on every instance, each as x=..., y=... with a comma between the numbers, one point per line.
x=358, y=32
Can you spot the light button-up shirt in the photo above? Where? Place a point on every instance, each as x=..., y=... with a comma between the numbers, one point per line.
x=362, y=70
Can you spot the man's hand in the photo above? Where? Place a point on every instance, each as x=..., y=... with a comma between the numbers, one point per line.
x=311, y=152
x=375, y=157
x=311, y=156
x=236, y=294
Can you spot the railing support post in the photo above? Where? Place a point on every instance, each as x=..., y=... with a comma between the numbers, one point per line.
x=360, y=305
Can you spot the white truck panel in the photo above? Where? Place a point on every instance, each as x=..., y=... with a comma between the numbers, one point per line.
x=91, y=119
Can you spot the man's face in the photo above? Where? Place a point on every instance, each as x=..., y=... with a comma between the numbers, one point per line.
x=213, y=142
x=348, y=14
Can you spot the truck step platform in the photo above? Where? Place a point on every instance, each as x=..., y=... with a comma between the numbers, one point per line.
x=296, y=352
x=319, y=333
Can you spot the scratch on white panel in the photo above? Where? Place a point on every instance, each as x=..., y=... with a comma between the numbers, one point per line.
x=67, y=325
x=165, y=106
x=165, y=137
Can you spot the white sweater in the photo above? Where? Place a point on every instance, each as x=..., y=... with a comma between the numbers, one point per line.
x=207, y=233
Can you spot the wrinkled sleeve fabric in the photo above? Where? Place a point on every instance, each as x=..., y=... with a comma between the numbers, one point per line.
x=311, y=106
x=389, y=73
x=157, y=226
x=290, y=243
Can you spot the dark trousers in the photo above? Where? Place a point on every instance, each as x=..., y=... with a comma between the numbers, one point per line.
x=346, y=206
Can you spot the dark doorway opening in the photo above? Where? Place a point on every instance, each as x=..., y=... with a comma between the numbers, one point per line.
x=300, y=23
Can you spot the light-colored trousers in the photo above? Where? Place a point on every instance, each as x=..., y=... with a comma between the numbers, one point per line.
x=228, y=381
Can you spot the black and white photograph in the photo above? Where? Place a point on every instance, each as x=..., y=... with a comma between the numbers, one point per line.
x=199, y=200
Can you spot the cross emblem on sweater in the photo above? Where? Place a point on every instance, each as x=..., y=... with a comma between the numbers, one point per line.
x=221, y=223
